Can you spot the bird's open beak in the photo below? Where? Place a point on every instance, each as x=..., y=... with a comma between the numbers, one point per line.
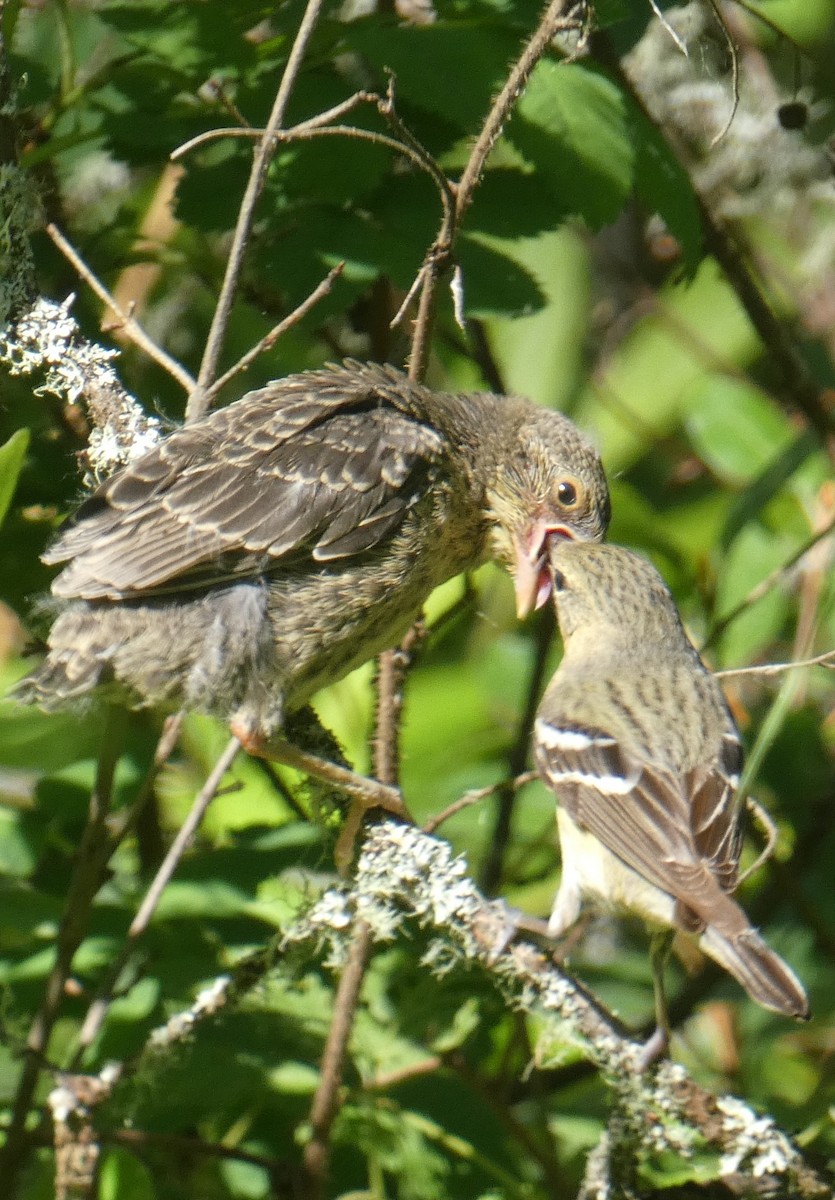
x=533, y=579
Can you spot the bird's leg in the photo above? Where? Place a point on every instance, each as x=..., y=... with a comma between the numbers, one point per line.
x=369, y=792
x=661, y=943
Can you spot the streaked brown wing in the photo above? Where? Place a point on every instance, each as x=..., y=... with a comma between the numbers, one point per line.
x=324, y=466
x=714, y=818
x=640, y=813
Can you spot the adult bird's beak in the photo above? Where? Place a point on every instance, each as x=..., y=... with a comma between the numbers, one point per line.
x=533, y=579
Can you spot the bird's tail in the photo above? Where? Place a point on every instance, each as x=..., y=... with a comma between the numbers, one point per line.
x=83, y=647
x=763, y=974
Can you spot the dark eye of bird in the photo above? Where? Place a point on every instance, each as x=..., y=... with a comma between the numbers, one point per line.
x=566, y=494
x=559, y=581
x=793, y=115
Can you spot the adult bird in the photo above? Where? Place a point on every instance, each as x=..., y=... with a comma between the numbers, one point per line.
x=269, y=548
x=634, y=737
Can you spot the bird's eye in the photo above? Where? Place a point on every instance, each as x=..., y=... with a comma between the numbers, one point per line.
x=559, y=581
x=793, y=115
x=567, y=494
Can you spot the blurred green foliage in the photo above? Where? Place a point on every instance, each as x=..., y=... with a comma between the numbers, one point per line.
x=578, y=297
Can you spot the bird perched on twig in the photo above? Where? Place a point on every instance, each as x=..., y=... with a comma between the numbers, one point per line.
x=271, y=547
x=634, y=736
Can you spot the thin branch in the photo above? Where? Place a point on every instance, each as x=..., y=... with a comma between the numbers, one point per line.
x=552, y=23
x=720, y=21
x=309, y=130
x=827, y=659
x=440, y=255
x=404, y=875
x=261, y=160
x=387, y=1080
x=491, y=875
x=416, y=151
x=326, y=1102
x=130, y=326
x=246, y=131
x=268, y=341
x=191, y=1147
x=181, y=842
x=801, y=388
x=368, y=792
x=475, y=796
x=98, y=1009
x=676, y=37
x=765, y=585
x=93, y=852
x=813, y=577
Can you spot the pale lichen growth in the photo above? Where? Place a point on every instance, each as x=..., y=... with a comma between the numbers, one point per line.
x=179, y=1027
x=754, y=1143
x=46, y=338
x=403, y=873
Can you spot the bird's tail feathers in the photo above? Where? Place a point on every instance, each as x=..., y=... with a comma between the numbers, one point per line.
x=763, y=974
x=58, y=681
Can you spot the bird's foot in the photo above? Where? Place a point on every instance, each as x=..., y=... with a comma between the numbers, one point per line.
x=369, y=792
x=366, y=793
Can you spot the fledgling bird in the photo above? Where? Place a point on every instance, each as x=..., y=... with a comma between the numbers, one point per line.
x=634, y=736
x=272, y=546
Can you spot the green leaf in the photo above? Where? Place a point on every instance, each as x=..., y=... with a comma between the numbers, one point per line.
x=511, y=203
x=427, y=64
x=34, y=740
x=663, y=185
x=17, y=855
x=777, y=473
x=734, y=428
x=123, y=1177
x=754, y=554
x=572, y=125
x=494, y=283
x=12, y=454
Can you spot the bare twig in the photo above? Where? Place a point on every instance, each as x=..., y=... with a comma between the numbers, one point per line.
x=129, y=324
x=676, y=37
x=93, y=852
x=801, y=388
x=475, y=796
x=245, y=130
x=368, y=792
x=268, y=341
x=98, y=1009
x=440, y=255
x=261, y=159
x=418, y=153
x=184, y=835
x=552, y=22
x=813, y=576
x=326, y=1101
x=765, y=585
x=827, y=659
x=734, y=73
x=181, y=1147
x=392, y=667
x=491, y=875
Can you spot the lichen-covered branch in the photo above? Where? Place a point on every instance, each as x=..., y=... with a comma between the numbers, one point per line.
x=46, y=339
x=404, y=874
x=40, y=337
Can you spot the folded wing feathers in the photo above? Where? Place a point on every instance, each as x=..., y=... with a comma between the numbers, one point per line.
x=647, y=824
x=282, y=470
